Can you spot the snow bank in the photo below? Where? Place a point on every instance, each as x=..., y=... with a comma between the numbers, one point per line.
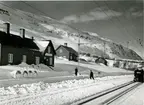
x=89, y=59
x=23, y=64
x=58, y=93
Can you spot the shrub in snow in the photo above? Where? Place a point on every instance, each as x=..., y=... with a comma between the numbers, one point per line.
x=25, y=74
x=16, y=74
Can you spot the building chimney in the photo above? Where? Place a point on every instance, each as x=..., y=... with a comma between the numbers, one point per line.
x=7, y=28
x=32, y=38
x=22, y=32
x=65, y=44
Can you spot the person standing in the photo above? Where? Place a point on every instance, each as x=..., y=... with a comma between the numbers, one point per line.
x=91, y=75
x=76, y=71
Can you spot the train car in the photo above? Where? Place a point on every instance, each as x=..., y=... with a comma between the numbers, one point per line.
x=139, y=75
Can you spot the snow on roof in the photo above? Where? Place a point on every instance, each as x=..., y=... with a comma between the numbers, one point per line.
x=42, y=44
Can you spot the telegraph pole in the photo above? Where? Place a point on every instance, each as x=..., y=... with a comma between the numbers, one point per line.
x=127, y=44
x=141, y=42
x=78, y=50
x=104, y=50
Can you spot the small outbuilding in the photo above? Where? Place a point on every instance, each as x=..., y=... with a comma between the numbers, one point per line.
x=101, y=60
x=67, y=52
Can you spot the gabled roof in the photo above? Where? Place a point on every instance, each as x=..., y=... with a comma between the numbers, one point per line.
x=42, y=44
x=68, y=49
x=17, y=41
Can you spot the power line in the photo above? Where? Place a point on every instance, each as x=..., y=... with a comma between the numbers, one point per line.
x=118, y=20
x=10, y=8
x=124, y=9
x=109, y=18
x=122, y=24
x=35, y=8
x=65, y=24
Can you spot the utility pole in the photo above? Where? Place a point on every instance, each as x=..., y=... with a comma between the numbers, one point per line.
x=78, y=50
x=104, y=49
x=141, y=42
x=127, y=44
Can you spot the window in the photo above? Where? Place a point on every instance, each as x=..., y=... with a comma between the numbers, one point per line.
x=49, y=49
x=60, y=50
x=37, y=60
x=24, y=58
x=10, y=58
x=71, y=56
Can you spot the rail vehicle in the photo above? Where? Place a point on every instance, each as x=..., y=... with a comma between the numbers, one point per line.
x=139, y=75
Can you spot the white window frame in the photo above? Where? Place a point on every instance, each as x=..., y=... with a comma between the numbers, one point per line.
x=37, y=60
x=24, y=58
x=10, y=58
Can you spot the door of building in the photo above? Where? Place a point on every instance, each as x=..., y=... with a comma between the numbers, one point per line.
x=50, y=61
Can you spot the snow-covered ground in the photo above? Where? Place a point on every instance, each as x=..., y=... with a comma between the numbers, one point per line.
x=94, y=66
x=57, y=93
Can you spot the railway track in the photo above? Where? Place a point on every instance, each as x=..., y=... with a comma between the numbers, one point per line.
x=108, y=96
x=117, y=96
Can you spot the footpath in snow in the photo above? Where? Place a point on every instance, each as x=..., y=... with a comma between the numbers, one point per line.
x=58, y=93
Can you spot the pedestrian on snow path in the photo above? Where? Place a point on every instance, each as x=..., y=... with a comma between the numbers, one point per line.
x=76, y=71
x=91, y=75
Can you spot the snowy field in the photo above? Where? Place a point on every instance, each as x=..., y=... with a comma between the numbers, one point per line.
x=58, y=93
x=93, y=66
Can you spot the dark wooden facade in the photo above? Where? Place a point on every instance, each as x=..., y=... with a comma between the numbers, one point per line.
x=67, y=52
x=15, y=49
x=17, y=55
x=48, y=54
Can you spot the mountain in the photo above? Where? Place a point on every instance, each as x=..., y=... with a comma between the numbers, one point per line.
x=43, y=27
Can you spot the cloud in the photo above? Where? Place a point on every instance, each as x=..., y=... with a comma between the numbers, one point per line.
x=95, y=14
x=135, y=11
x=137, y=14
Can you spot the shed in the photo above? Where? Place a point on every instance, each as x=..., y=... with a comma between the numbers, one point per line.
x=101, y=60
x=68, y=52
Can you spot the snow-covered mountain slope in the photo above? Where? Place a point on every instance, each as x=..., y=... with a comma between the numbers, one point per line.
x=42, y=27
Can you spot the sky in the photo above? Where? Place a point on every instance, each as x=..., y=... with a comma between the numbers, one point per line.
x=120, y=21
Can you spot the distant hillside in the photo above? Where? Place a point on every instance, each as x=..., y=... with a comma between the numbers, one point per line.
x=42, y=27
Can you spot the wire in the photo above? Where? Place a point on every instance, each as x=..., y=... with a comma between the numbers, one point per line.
x=109, y=19
x=121, y=24
x=125, y=28
x=118, y=20
x=35, y=8
x=10, y=8
x=124, y=9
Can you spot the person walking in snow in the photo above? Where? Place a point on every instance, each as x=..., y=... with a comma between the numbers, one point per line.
x=76, y=71
x=91, y=75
